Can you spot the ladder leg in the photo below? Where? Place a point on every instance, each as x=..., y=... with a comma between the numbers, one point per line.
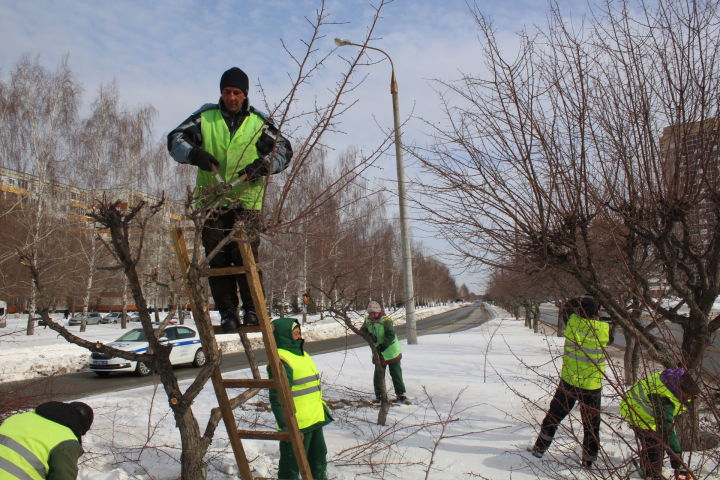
x=273, y=358
x=231, y=426
x=293, y=434
x=216, y=378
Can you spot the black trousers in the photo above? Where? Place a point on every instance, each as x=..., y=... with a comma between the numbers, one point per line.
x=563, y=401
x=651, y=451
x=225, y=289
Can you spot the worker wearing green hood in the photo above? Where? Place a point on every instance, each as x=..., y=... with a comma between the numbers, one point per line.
x=311, y=411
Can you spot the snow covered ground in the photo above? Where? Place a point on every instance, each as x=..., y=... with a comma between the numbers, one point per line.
x=478, y=396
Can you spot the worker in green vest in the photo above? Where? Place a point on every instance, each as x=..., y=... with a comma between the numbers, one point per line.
x=650, y=407
x=381, y=329
x=45, y=443
x=311, y=411
x=231, y=142
x=581, y=378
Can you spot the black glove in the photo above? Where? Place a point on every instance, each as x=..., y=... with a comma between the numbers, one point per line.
x=203, y=160
x=257, y=169
x=266, y=142
x=381, y=348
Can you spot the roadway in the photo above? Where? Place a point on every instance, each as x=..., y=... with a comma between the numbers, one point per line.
x=77, y=385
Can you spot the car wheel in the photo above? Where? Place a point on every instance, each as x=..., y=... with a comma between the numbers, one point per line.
x=200, y=359
x=102, y=374
x=142, y=370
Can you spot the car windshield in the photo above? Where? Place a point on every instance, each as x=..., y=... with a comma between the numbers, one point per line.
x=136, y=335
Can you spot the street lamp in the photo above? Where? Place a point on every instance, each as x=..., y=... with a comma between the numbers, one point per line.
x=404, y=230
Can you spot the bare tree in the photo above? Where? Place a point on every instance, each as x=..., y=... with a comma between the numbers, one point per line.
x=556, y=156
x=37, y=114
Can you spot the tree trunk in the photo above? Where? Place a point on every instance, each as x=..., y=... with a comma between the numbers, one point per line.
x=384, y=400
x=194, y=447
x=89, y=283
x=631, y=358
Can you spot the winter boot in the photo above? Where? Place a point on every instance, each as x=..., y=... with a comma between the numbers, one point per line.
x=229, y=320
x=250, y=318
x=536, y=451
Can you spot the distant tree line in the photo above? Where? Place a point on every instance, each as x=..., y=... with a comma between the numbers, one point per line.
x=339, y=238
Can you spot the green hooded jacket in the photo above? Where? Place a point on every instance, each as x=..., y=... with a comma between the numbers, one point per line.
x=282, y=330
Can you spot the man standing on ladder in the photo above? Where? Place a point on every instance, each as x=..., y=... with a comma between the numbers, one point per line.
x=226, y=141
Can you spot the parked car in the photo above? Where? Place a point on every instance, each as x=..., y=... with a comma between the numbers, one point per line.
x=93, y=318
x=112, y=317
x=186, y=349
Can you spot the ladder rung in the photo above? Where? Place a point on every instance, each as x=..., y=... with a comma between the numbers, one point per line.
x=219, y=272
x=264, y=435
x=249, y=383
x=217, y=329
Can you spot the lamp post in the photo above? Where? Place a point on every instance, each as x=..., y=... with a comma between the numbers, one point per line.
x=404, y=229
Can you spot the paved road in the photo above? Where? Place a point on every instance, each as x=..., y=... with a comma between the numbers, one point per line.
x=77, y=385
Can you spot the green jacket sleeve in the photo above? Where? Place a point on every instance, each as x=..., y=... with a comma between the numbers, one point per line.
x=63, y=461
x=665, y=421
x=275, y=397
x=389, y=334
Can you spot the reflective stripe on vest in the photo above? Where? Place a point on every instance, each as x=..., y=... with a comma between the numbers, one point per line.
x=26, y=440
x=233, y=154
x=584, y=356
x=305, y=388
x=26, y=454
x=310, y=389
x=571, y=352
x=637, y=409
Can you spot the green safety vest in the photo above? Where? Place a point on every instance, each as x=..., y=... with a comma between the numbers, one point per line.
x=26, y=440
x=377, y=329
x=233, y=154
x=305, y=389
x=636, y=407
x=584, y=356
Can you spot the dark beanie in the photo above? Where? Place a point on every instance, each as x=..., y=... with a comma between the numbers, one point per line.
x=77, y=416
x=235, y=78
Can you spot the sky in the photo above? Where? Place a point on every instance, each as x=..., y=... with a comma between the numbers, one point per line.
x=170, y=54
x=477, y=398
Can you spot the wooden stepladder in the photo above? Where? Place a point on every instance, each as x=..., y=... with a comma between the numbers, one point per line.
x=221, y=385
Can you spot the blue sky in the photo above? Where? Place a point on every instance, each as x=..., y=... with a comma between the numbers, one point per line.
x=171, y=53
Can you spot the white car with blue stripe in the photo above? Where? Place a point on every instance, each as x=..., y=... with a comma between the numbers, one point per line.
x=184, y=339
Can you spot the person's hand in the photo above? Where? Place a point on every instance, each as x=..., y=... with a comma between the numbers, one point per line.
x=203, y=160
x=682, y=474
x=266, y=142
x=257, y=169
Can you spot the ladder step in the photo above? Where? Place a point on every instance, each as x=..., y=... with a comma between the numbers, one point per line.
x=264, y=435
x=219, y=272
x=217, y=329
x=249, y=383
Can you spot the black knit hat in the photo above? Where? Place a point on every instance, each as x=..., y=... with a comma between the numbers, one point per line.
x=77, y=416
x=235, y=77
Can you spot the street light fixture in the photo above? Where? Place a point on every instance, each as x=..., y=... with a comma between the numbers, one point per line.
x=404, y=230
